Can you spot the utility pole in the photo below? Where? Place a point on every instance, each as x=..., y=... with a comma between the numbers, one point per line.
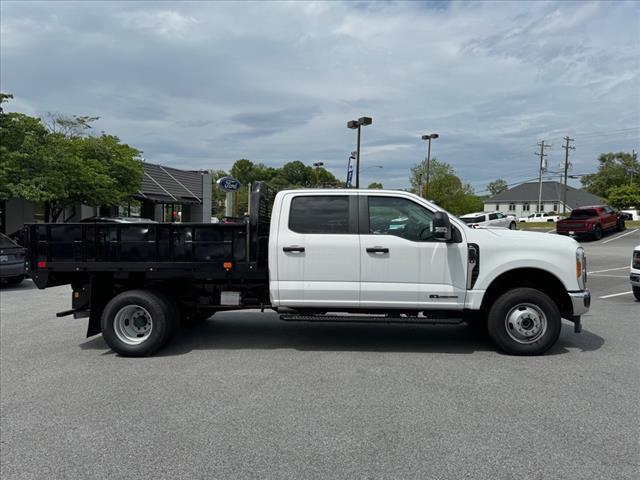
x=542, y=168
x=566, y=147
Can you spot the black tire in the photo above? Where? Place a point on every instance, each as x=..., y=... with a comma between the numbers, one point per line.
x=597, y=232
x=162, y=324
x=513, y=226
x=502, y=332
x=621, y=225
x=636, y=293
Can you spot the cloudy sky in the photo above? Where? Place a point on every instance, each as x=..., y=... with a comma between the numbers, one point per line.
x=199, y=85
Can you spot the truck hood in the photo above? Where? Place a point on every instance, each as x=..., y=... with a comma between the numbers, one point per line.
x=503, y=250
x=525, y=239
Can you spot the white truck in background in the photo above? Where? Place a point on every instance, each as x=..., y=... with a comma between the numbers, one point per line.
x=539, y=217
x=316, y=255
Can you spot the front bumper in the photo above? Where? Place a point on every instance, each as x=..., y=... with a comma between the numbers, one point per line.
x=581, y=302
x=635, y=279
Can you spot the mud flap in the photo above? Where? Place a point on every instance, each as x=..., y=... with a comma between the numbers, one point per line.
x=100, y=291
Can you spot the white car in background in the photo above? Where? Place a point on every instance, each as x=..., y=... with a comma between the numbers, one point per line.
x=540, y=217
x=489, y=219
x=635, y=272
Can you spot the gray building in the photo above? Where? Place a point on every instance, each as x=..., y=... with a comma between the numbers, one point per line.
x=166, y=194
x=522, y=200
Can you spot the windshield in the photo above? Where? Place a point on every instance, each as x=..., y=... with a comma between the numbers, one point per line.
x=6, y=242
x=584, y=213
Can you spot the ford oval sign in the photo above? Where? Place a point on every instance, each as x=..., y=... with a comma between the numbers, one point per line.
x=228, y=184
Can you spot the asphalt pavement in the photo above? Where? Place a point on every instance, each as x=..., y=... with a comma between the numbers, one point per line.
x=248, y=396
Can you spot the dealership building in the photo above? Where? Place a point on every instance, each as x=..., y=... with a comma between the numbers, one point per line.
x=166, y=194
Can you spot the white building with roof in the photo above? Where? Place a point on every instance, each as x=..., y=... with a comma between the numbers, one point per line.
x=522, y=200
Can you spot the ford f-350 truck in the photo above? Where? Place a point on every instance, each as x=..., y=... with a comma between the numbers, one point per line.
x=315, y=255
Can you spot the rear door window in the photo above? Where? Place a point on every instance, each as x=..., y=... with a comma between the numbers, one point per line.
x=319, y=214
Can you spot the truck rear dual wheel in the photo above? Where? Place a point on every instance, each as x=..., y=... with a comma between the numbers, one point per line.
x=524, y=321
x=137, y=323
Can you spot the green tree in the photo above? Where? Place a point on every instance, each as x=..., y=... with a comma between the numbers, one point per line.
x=298, y=174
x=62, y=168
x=614, y=169
x=69, y=126
x=624, y=196
x=499, y=185
x=375, y=186
x=445, y=188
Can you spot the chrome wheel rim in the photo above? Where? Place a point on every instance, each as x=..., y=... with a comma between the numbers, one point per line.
x=132, y=324
x=526, y=323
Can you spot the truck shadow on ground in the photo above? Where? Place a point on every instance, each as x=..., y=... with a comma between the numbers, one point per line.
x=25, y=285
x=267, y=332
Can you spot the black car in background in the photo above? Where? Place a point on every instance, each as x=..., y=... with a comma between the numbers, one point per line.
x=11, y=261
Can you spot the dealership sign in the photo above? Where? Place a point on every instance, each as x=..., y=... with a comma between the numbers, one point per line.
x=228, y=184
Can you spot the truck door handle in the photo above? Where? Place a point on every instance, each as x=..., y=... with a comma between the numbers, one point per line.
x=378, y=250
x=293, y=249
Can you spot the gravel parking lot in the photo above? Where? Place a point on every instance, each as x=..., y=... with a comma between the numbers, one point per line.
x=248, y=396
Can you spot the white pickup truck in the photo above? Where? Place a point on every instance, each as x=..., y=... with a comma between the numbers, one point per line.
x=319, y=255
x=540, y=217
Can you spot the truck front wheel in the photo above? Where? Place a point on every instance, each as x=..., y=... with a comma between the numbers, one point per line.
x=636, y=293
x=524, y=321
x=137, y=323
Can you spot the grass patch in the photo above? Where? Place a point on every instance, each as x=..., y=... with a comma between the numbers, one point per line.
x=536, y=225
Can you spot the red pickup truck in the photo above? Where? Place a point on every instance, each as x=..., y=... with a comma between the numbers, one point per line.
x=593, y=220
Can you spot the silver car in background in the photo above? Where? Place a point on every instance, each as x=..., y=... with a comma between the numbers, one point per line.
x=489, y=219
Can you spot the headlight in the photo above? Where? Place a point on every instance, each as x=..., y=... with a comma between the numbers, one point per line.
x=581, y=267
x=636, y=259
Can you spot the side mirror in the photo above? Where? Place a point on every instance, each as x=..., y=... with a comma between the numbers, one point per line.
x=441, y=227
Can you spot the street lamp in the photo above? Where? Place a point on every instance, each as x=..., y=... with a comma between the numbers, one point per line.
x=429, y=137
x=356, y=124
x=318, y=165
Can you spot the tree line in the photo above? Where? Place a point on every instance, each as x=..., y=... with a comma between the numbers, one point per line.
x=59, y=162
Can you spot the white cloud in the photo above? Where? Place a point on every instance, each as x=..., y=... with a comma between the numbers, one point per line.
x=199, y=84
x=164, y=22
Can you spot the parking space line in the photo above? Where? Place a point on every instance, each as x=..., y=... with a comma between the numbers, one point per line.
x=608, y=270
x=620, y=236
x=616, y=294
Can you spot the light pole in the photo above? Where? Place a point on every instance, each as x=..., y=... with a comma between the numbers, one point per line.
x=356, y=124
x=318, y=165
x=429, y=137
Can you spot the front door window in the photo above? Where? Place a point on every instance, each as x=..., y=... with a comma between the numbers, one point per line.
x=400, y=217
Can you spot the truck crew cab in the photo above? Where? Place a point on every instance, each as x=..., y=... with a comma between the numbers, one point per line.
x=316, y=255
